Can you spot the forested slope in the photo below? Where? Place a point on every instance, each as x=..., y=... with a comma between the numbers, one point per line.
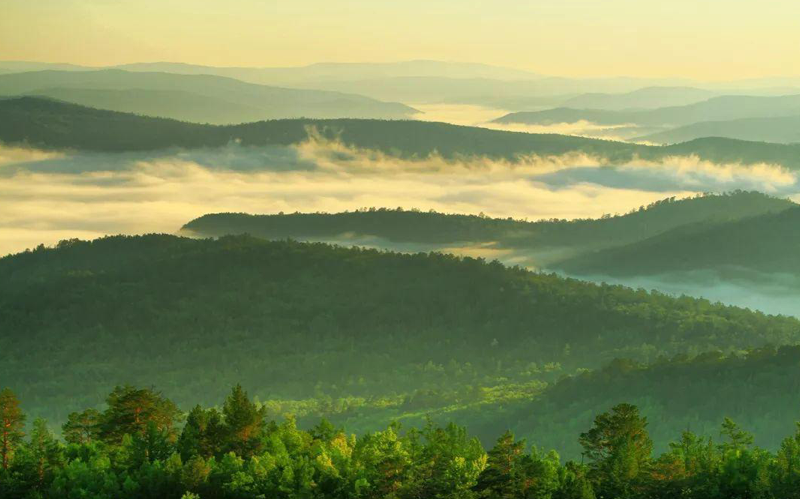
x=342, y=329
x=402, y=226
x=52, y=124
x=758, y=389
x=768, y=243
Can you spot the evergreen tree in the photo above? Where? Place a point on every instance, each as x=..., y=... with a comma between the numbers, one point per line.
x=41, y=456
x=502, y=478
x=243, y=422
x=81, y=427
x=618, y=448
x=785, y=471
x=202, y=434
x=12, y=422
x=132, y=410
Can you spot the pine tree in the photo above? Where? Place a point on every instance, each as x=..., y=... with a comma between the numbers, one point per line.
x=201, y=434
x=244, y=423
x=81, y=427
x=501, y=478
x=12, y=421
x=618, y=448
x=132, y=410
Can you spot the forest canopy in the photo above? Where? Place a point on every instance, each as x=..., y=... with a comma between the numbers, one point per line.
x=432, y=333
x=140, y=447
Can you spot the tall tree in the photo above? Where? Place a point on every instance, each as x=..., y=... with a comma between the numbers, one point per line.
x=244, y=423
x=736, y=438
x=81, y=427
x=502, y=478
x=132, y=410
x=12, y=421
x=618, y=448
x=202, y=434
x=44, y=452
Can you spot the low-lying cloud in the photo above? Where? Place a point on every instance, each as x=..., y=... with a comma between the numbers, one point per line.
x=46, y=196
x=483, y=117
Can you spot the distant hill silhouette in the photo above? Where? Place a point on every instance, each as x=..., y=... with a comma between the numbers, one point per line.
x=784, y=130
x=715, y=109
x=48, y=123
x=643, y=98
x=201, y=98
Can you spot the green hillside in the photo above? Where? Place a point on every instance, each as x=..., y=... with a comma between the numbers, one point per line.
x=549, y=241
x=759, y=390
x=320, y=330
x=768, y=243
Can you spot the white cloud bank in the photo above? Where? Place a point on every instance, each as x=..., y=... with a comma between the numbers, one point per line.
x=46, y=197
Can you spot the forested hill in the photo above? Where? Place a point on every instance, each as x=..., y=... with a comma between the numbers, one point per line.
x=759, y=390
x=336, y=330
x=769, y=243
x=50, y=123
x=53, y=124
x=571, y=237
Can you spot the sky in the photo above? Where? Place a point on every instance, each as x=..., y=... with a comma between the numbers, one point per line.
x=700, y=39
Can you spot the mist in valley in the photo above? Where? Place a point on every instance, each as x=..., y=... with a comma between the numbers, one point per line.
x=47, y=196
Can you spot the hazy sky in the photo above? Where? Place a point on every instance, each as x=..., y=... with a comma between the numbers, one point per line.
x=708, y=39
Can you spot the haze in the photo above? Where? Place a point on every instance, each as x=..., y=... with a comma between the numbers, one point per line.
x=707, y=39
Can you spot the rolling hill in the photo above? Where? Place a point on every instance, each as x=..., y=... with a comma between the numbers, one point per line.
x=715, y=109
x=51, y=124
x=764, y=244
x=327, y=72
x=758, y=390
x=542, y=243
x=643, y=98
x=203, y=98
x=319, y=330
x=784, y=130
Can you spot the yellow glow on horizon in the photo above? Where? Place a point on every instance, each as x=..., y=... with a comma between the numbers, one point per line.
x=701, y=39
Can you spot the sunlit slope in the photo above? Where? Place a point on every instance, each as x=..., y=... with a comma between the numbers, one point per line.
x=758, y=390
x=347, y=330
x=51, y=124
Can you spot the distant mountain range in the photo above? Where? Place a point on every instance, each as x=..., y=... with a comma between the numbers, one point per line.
x=785, y=130
x=342, y=71
x=467, y=83
x=643, y=98
x=197, y=98
x=53, y=124
x=714, y=109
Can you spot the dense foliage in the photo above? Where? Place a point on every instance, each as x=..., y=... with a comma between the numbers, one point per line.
x=141, y=447
x=51, y=124
x=768, y=243
x=759, y=388
x=571, y=237
x=321, y=330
